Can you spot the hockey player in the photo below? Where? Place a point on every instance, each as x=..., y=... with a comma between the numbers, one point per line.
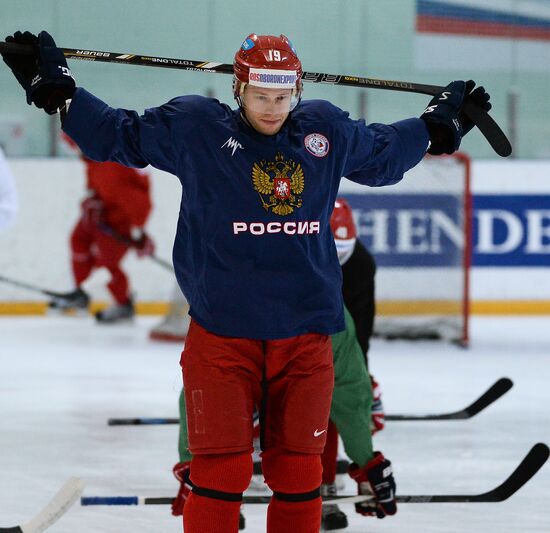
x=254, y=256
x=358, y=271
x=8, y=194
x=351, y=415
x=111, y=222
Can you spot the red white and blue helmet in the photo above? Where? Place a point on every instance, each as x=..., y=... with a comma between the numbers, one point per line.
x=343, y=229
x=341, y=221
x=270, y=62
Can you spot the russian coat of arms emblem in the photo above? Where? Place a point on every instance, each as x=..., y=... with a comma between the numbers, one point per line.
x=279, y=184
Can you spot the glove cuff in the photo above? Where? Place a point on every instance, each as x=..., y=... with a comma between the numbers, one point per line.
x=181, y=471
x=360, y=474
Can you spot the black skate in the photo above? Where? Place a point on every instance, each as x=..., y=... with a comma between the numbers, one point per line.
x=332, y=517
x=241, y=521
x=76, y=300
x=116, y=313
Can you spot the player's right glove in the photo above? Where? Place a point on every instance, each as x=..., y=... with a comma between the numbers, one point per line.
x=446, y=122
x=182, y=472
x=44, y=75
x=375, y=481
x=143, y=245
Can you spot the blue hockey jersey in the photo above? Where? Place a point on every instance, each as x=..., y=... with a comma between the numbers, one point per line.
x=253, y=253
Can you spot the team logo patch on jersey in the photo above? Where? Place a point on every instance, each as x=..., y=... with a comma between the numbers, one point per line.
x=279, y=184
x=317, y=144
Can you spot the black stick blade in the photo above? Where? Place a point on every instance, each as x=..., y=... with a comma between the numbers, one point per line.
x=530, y=465
x=498, y=389
x=489, y=128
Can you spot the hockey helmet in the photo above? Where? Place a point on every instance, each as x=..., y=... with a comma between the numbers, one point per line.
x=270, y=62
x=343, y=229
x=341, y=221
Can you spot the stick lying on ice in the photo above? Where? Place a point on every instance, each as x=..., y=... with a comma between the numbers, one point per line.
x=56, y=508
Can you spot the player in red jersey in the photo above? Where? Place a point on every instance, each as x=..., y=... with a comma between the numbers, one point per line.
x=111, y=221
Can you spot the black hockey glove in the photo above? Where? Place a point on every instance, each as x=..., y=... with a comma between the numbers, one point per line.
x=442, y=118
x=480, y=97
x=44, y=75
x=375, y=481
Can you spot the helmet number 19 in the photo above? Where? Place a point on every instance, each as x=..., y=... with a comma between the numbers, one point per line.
x=274, y=55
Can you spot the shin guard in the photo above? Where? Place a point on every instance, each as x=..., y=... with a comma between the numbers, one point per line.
x=295, y=480
x=218, y=484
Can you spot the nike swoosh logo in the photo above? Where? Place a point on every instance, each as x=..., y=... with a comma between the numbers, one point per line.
x=317, y=433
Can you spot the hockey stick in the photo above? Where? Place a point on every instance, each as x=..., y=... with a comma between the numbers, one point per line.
x=528, y=467
x=56, y=508
x=30, y=287
x=486, y=124
x=499, y=388
x=125, y=240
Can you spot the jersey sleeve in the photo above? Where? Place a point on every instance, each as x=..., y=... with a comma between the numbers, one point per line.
x=379, y=154
x=107, y=134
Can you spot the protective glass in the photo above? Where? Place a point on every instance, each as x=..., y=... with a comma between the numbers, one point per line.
x=268, y=101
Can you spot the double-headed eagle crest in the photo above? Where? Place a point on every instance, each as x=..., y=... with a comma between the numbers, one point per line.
x=279, y=184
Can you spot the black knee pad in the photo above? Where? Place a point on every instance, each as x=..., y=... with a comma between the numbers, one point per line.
x=299, y=497
x=218, y=494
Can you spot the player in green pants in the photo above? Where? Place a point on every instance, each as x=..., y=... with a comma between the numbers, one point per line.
x=350, y=412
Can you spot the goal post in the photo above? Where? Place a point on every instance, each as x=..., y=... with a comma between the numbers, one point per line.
x=419, y=232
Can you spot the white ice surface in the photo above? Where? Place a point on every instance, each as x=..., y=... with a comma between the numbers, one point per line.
x=62, y=378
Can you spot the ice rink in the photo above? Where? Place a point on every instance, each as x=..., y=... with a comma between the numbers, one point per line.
x=62, y=378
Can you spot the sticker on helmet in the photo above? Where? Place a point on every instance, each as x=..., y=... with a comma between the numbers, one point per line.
x=317, y=144
x=247, y=44
x=272, y=79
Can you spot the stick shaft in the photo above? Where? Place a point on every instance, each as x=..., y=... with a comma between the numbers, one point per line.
x=125, y=240
x=222, y=68
x=490, y=129
x=27, y=286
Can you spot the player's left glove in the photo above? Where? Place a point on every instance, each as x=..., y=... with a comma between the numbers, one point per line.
x=44, y=75
x=377, y=417
x=182, y=472
x=445, y=120
x=375, y=481
x=143, y=245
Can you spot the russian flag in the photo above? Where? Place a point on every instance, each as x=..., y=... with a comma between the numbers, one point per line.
x=459, y=18
x=492, y=35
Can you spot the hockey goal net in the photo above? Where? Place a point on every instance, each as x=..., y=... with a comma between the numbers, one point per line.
x=419, y=234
